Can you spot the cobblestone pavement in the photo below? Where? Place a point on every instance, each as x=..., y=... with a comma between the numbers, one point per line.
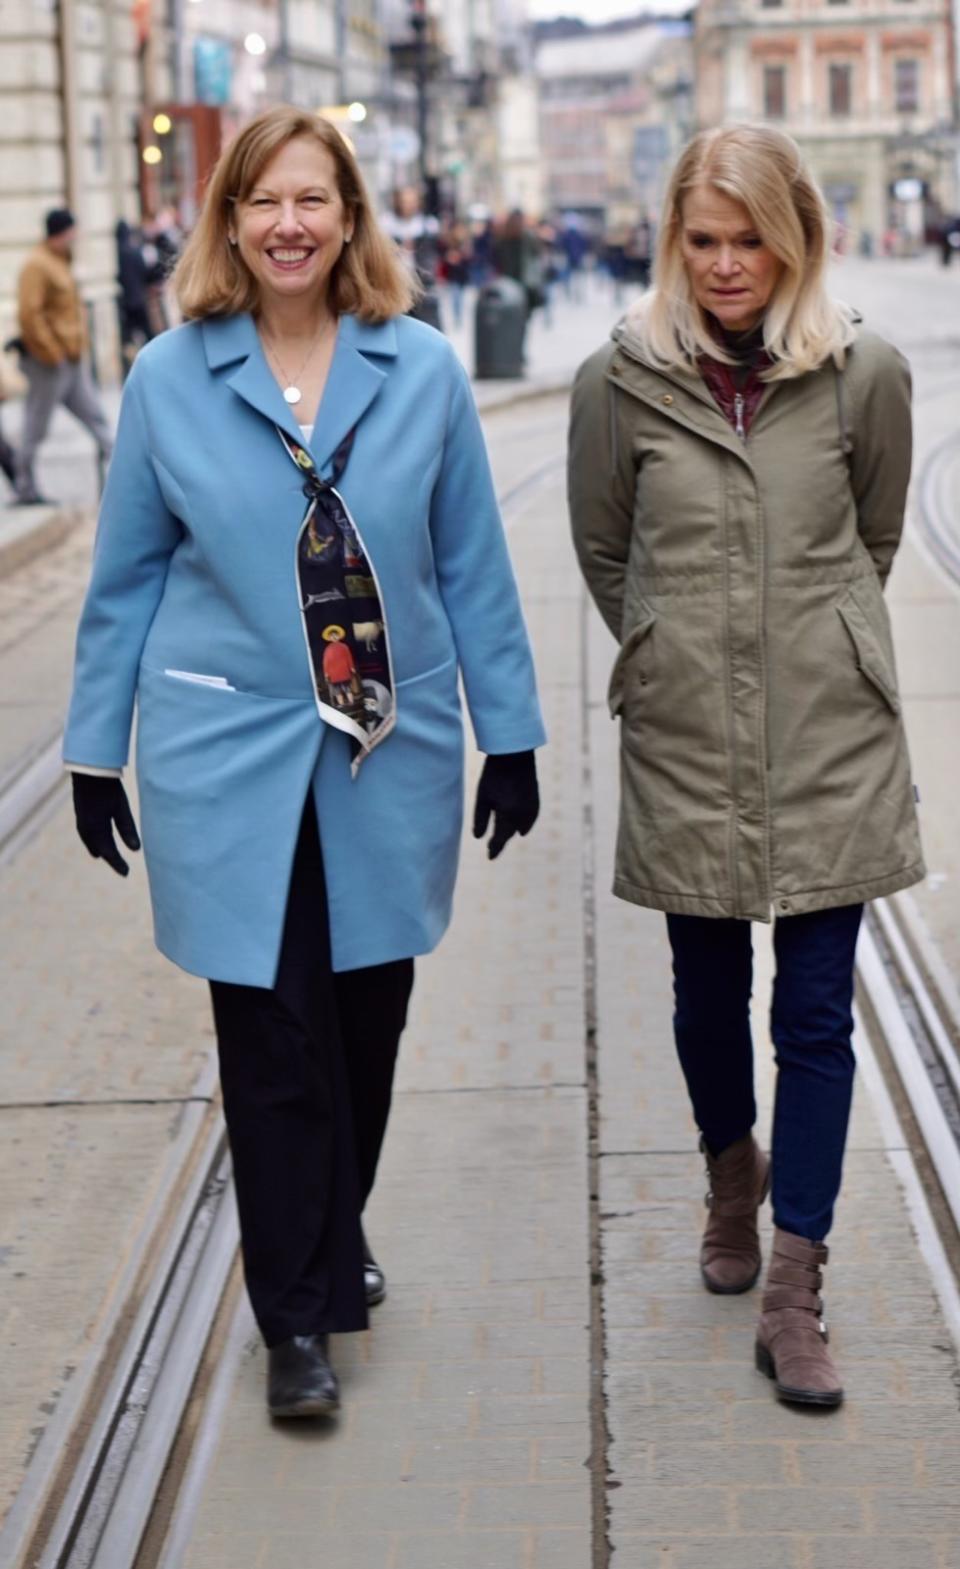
x=474, y=1405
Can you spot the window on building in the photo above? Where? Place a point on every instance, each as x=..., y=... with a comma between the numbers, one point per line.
x=774, y=92
x=906, y=85
x=841, y=89
x=768, y=5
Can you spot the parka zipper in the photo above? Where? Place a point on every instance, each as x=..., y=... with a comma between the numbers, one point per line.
x=738, y=415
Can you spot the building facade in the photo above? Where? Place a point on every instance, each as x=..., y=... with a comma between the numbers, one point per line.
x=867, y=88
x=71, y=92
x=615, y=107
x=119, y=110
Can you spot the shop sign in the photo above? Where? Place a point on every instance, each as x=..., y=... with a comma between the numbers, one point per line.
x=212, y=70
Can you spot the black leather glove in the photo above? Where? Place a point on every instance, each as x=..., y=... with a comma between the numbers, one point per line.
x=99, y=803
x=508, y=789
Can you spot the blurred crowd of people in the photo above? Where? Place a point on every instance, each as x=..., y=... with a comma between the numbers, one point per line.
x=542, y=254
x=450, y=255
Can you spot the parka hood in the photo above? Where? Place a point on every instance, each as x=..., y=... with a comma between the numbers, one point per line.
x=627, y=332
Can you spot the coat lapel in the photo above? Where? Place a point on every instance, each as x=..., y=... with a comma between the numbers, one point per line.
x=232, y=341
x=352, y=384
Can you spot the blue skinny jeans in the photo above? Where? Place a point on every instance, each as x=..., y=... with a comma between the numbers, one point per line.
x=811, y=1023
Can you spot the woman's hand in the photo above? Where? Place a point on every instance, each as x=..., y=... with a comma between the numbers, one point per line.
x=508, y=790
x=100, y=803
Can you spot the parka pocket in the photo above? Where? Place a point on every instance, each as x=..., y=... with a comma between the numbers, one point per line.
x=872, y=659
x=629, y=646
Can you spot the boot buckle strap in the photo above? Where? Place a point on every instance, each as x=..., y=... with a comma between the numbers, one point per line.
x=792, y=1297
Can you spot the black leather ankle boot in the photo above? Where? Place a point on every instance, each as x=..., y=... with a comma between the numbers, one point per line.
x=300, y=1380
x=374, y=1280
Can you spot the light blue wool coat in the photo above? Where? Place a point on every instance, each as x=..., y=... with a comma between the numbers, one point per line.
x=194, y=570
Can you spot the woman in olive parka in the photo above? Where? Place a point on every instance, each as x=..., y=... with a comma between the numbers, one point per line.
x=738, y=467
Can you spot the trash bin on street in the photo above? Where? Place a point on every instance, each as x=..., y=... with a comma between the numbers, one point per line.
x=499, y=326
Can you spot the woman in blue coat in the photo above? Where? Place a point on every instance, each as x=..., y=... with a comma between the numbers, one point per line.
x=299, y=554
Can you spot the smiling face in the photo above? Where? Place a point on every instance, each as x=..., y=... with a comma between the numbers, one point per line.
x=292, y=225
x=732, y=272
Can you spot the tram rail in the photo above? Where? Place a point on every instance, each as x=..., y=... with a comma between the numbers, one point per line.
x=914, y=1009
x=30, y=792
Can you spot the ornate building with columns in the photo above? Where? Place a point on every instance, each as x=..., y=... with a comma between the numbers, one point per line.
x=867, y=87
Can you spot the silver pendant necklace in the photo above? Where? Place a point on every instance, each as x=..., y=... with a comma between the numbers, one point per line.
x=291, y=392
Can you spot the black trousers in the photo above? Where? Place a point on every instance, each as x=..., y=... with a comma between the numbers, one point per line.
x=307, y=1076
x=7, y=459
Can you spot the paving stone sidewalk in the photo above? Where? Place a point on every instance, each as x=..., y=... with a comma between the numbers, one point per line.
x=465, y=1441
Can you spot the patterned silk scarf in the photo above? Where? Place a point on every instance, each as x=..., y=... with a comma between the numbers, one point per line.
x=342, y=610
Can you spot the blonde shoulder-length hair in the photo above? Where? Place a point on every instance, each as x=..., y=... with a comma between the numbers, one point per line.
x=764, y=170
x=369, y=279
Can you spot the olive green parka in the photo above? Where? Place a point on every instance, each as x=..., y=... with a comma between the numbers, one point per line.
x=764, y=766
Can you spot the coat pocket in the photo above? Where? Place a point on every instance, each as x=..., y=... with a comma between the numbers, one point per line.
x=219, y=682
x=618, y=675
x=872, y=659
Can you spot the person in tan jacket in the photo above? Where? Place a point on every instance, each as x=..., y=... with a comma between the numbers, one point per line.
x=53, y=336
x=738, y=468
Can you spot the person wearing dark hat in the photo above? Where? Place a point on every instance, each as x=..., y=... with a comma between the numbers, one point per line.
x=53, y=337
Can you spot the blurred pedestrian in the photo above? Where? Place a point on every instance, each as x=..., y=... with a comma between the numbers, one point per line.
x=614, y=259
x=482, y=235
x=54, y=341
x=739, y=462
x=12, y=384
x=162, y=239
x=8, y=455
x=516, y=254
x=417, y=236
x=136, y=326
x=575, y=245
x=638, y=253
x=295, y=666
x=949, y=240
x=456, y=257
x=550, y=265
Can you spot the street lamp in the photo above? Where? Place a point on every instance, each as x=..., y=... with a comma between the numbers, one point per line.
x=418, y=21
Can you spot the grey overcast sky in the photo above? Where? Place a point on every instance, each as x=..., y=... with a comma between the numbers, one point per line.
x=590, y=10
x=601, y=10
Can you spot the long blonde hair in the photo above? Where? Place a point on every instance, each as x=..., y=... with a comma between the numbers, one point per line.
x=763, y=169
x=369, y=278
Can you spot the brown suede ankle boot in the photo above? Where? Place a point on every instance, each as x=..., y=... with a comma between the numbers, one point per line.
x=791, y=1336
x=739, y=1181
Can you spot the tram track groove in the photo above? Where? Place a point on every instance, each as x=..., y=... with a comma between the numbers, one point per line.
x=45, y=1509
x=919, y=1028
